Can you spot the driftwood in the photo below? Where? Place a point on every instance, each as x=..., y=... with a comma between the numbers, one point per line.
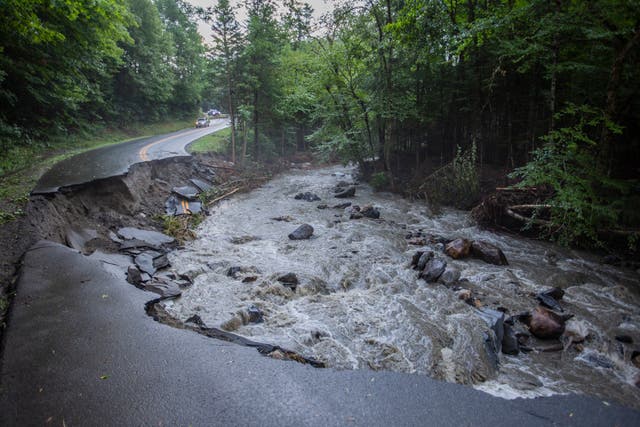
x=512, y=207
x=217, y=199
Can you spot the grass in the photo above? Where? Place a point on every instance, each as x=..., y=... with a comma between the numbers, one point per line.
x=216, y=142
x=22, y=166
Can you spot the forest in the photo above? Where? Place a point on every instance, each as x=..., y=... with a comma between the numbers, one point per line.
x=426, y=95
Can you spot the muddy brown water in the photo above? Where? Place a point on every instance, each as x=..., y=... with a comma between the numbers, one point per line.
x=360, y=306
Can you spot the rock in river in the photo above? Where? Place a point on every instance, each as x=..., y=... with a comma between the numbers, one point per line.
x=343, y=193
x=303, y=232
x=487, y=252
x=458, y=248
x=309, y=197
x=545, y=323
x=290, y=280
x=370, y=212
x=433, y=270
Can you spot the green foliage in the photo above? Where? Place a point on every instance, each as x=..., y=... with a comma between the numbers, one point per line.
x=180, y=227
x=379, y=180
x=586, y=200
x=456, y=184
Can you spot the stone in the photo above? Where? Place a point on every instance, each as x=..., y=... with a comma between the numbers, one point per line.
x=153, y=238
x=548, y=301
x=417, y=241
x=255, y=314
x=510, y=344
x=546, y=324
x=134, y=276
x=369, y=211
x=433, y=270
x=249, y=279
x=458, y=248
x=342, y=193
x=196, y=320
x=233, y=271
x=309, y=197
x=415, y=258
x=289, y=280
x=161, y=262
x=241, y=240
x=283, y=218
x=342, y=205
x=322, y=206
x=495, y=321
x=303, y=232
x=187, y=192
x=575, y=331
x=450, y=276
x=626, y=339
x=424, y=259
x=487, y=252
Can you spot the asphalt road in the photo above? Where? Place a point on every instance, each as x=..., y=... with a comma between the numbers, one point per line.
x=116, y=159
x=80, y=350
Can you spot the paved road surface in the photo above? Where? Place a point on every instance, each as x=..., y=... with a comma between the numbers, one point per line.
x=80, y=350
x=116, y=160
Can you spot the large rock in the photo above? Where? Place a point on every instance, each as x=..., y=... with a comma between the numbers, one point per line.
x=450, y=276
x=546, y=324
x=495, y=321
x=433, y=270
x=303, y=232
x=370, y=212
x=309, y=197
x=510, y=343
x=550, y=297
x=163, y=288
x=423, y=260
x=289, y=280
x=343, y=193
x=458, y=248
x=487, y=252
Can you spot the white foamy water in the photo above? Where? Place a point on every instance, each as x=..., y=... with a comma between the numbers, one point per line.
x=360, y=306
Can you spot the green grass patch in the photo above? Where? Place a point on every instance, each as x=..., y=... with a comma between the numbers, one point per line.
x=217, y=142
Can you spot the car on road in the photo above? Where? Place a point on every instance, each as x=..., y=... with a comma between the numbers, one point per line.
x=202, y=122
x=213, y=113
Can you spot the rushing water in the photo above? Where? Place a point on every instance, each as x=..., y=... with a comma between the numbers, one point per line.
x=359, y=305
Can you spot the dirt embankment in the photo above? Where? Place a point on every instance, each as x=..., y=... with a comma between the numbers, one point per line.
x=133, y=200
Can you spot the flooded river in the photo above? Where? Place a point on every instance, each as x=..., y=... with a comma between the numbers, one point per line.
x=359, y=305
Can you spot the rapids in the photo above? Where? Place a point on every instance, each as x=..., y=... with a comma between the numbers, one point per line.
x=359, y=305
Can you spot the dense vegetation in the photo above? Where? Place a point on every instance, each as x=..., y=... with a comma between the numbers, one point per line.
x=69, y=65
x=547, y=87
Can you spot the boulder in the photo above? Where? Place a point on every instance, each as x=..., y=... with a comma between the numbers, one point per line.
x=322, y=206
x=342, y=205
x=415, y=258
x=546, y=324
x=309, y=197
x=424, y=259
x=458, y=248
x=255, y=314
x=510, y=343
x=370, y=212
x=196, y=320
x=547, y=298
x=487, y=252
x=290, y=280
x=450, y=276
x=303, y=232
x=433, y=270
x=342, y=193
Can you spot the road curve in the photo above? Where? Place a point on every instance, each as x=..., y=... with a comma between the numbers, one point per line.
x=116, y=159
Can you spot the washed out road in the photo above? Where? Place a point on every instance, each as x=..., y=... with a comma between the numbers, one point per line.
x=116, y=159
x=80, y=350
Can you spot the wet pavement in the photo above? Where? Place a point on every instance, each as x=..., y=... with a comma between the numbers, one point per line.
x=116, y=159
x=80, y=350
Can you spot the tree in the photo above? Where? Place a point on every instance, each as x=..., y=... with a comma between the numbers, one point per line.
x=227, y=48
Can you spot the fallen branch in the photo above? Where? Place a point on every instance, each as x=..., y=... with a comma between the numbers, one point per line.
x=522, y=218
x=217, y=199
x=539, y=206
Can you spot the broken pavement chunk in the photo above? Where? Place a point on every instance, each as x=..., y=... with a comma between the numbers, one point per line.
x=202, y=185
x=78, y=238
x=186, y=192
x=177, y=206
x=153, y=238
